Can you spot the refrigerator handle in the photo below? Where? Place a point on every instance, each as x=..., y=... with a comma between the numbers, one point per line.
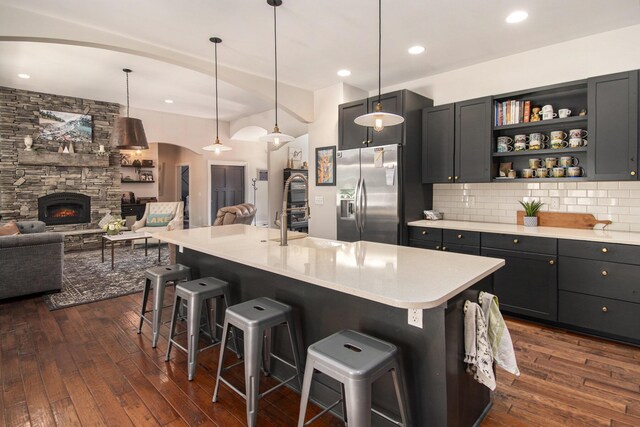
x=363, y=204
x=357, y=204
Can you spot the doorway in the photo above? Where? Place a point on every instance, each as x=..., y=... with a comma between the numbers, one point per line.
x=182, y=189
x=227, y=183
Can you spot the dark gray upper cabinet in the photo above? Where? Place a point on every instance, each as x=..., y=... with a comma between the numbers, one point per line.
x=473, y=140
x=613, y=126
x=391, y=103
x=350, y=134
x=438, y=133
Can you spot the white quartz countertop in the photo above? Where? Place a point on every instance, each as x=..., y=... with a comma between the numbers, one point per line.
x=623, y=237
x=398, y=276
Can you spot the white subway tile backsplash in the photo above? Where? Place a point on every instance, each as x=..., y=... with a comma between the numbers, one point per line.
x=577, y=193
x=619, y=194
x=577, y=209
x=587, y=185
x=608, y=185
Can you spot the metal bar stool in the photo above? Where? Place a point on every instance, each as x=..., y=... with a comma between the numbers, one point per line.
x=355, y=360
x=256, y=318
x=158, y=278
x=198, y=294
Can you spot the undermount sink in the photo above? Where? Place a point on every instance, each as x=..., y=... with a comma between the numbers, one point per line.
x=290, y=236
x=310, y=242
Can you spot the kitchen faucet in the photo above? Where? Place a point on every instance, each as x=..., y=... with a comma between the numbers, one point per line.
x=286, y=210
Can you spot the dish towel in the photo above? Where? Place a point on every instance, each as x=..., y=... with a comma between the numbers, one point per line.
x=477, y=349
x=499, y=337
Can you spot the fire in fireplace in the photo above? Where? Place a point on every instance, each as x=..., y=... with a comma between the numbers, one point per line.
x=64, y=208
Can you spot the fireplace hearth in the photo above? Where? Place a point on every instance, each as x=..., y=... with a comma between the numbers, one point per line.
x=64, y=208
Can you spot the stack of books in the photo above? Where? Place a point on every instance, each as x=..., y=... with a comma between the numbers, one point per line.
x=512, y=112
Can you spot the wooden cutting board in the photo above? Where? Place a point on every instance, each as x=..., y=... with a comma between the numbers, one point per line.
x=565, y=220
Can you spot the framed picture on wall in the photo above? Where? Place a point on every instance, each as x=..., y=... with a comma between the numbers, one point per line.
x=326, y=165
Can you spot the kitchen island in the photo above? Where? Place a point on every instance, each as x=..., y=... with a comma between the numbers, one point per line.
x=364, y=286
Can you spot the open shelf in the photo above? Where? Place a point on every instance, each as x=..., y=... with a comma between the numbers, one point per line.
x=137, y=167
x=136, y=182
x=565, y=179
x=541, y=152
x=567, y=121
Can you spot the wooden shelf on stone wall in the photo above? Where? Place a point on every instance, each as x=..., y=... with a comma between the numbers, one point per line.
x=62, y=159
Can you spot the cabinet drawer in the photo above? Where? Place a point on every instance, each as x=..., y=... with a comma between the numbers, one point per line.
x=459, y=237
x=425, y=233
x=601, y=278
x=425, y=244
x=461, y=249
x=628, y=254
x=514, y=242
x=600, y=314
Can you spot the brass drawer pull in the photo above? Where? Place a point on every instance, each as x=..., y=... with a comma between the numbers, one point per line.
x=438, y=247
x=516, y=241
x=456, y=177
x=364, y=142
x=605, y=273
x=460, y=236
x=605, y=250
x=444, y=248
x=633, y=173
x=552, y=262
x=605, y=309
x=424, y=233
x=449, y=178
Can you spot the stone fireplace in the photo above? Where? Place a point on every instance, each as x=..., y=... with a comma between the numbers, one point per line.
x=64, y=208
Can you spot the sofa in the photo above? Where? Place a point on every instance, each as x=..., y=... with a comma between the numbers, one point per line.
x=32, y=261
x=238, y=214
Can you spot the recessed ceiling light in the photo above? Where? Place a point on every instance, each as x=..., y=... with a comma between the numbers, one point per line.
x=416, y=50
x=344, y=73
x=24, y=76
x=169, y=101
x=517, y=16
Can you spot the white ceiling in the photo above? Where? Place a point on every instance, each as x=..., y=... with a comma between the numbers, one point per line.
x=316, y=38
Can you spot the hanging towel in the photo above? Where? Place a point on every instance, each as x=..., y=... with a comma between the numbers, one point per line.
x=499, y=337
x=476, y=346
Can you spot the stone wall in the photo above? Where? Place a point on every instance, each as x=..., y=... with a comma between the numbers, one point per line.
x=21, y=184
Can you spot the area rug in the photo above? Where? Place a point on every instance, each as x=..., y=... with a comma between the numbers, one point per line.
x=86, y=279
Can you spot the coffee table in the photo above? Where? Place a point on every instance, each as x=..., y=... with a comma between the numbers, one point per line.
x=126, y=237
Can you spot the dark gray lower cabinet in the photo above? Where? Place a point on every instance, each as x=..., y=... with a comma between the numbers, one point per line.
x=461, y=249
x=527, y=284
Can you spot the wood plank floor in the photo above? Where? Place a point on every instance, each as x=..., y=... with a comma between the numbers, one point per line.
x=86, y=365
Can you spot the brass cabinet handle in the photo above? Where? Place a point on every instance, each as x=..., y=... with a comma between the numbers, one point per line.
x=605, y=250
x=449, y=178
x=460, y=236
x=364, y=142
x=633, y=173
x=605, y=309
x=516, y=241
x=605, y=273
x=444, y=248
x=456, y=177
x=552, y=262
x=438, y=247
x=424, y=233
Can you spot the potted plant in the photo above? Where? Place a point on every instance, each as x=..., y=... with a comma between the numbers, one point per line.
x=114, y=226
x=531, y=209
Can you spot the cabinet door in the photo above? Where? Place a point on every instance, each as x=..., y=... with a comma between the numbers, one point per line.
x=391, y=103
x=613, y=126
x=351, y=135
x=473, y=140
x=437, y=143
x=527, y=284
x=461, y=249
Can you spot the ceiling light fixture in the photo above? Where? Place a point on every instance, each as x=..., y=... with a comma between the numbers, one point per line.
x=128, y=133
x=276, y=137
x=24, y=76
x=344, y=73
x=416, y=50
x=168, y=101
x=217, y=147
x=379, y=119
x=517, y=16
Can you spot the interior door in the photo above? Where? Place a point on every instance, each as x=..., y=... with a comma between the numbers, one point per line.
x=347, y=180
x=380, y=175
x=227, y=187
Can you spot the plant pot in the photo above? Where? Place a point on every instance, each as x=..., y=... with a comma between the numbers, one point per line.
x=530, y=221
x=113, y=232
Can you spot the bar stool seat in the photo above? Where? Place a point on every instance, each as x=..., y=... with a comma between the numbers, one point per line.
x=355, y=360
x=157, y=278
x=197, y=294
x=256, y=318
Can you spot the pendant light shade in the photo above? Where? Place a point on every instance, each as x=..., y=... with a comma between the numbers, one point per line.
x=277, y=138
x=217, y=147
x=128, y=133
x=378, y=120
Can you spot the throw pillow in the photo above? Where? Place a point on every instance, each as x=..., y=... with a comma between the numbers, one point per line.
x=158, y=220
x=9, y=229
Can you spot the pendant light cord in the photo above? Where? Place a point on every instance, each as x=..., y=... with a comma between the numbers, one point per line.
x=127, y=74
x=216, y=74
x=379, y=48
x=275, y=50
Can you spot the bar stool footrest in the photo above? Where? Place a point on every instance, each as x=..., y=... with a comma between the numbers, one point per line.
x=324, y=411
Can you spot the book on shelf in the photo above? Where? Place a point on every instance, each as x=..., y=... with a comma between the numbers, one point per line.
x=527, y=111
x=511, y=112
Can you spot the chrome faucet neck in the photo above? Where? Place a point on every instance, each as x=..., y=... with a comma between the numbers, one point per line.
x=285, y=202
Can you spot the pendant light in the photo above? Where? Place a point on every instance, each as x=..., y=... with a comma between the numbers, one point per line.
x=128, y=133
x=276, y=137
x=217, y=147
x=379, y=119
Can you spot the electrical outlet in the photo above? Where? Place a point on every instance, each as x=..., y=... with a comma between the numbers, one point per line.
x=180, y=249
x=555, y=204
x=415, y=317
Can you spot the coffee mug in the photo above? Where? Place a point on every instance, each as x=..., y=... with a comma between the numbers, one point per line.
x=564, y=112
x=558, y=134
x=519, y=146
x=551, y=162
x=504, y=140
x=511, y=173
x=538, y=137
x=558, y=172
x=528, y=173
x=537, y=145
x=542, y=172
x=558, y=143
x=503, y=148
x=578, y=133
x=576, y=142
x=547, y=107
x=521, y=138
x=535, y=163
x=568, y=161
x=575, y=171
x=549, y=115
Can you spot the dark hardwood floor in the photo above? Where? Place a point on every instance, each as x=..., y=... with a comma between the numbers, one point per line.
x=86, y=365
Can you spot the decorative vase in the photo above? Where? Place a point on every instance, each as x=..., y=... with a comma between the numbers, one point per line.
x=28, y=143
x=113, y=232
x=530, y=221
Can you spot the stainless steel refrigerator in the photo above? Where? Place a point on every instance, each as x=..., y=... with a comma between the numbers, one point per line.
x=369, y=205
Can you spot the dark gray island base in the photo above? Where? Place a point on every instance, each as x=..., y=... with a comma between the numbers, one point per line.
x=441, y=393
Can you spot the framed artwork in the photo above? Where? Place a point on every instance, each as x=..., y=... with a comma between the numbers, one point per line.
x=326, y=165
x=65, y=128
